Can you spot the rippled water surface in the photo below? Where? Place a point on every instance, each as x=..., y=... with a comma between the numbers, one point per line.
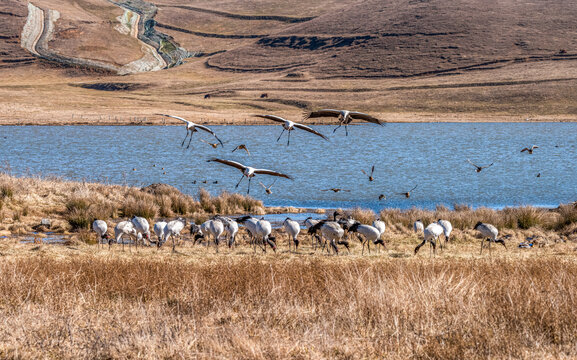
x=431, y=156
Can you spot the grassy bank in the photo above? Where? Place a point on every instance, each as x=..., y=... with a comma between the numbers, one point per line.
x=72, y=206
x=80, y=302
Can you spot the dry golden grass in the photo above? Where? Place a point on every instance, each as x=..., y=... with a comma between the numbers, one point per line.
x=82, y=302
x=75, y=205
x=464, y=218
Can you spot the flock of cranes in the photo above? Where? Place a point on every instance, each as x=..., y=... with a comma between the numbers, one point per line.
x=345, y=117
x=327, y=234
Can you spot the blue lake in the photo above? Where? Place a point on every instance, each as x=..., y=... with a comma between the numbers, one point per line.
x=432, y=156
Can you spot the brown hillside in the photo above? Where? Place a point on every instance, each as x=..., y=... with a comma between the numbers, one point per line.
x=405, y=38
x=403, y=60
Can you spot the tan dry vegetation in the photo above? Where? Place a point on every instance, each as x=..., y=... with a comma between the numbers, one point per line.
x=75, y=205
x=81, y=302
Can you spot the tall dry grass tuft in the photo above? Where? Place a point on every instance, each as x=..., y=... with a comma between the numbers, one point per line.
x=229, y=203
x=364, y=216
x=268, y=308
x=138, y=203
x=6, y=191
x=567, y=215
x=464, y=217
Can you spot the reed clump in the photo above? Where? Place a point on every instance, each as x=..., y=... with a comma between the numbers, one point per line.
x=364, y=216
x=269, y=308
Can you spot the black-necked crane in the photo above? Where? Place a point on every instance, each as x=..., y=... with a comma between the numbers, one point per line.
x=215, y=228
x=267, y=189
x=125, y=228
x=308, y=223
x=142, y=227
x=332, y=231
x=430, y=234
x=479, y=168
x=248, y=171
x=382, y=197
x=231, y=228
x=490, y=234
x=381, y=226
x=290, y=126
x=264, y=230
x=418, y=226
x=100, y=228
x=249, y=223
x=292, y=229
x=530, y=150
x=368, y=232
x=241, y=147
x=191, y=128
x=371, y=178
x=447, y=229
x=173, y=229
x=159, y=229
x=345, y=117
x=407, y=194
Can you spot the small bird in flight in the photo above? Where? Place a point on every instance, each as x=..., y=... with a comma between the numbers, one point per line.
x=371, y=178
x=336, y=190
x=248, y=171
x=242, y=147
x=479, y=168
x=214, y=145
x=530, y=150
x=267, y=189
x=408, y=193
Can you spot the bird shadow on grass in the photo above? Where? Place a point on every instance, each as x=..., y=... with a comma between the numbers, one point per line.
x=399, y=255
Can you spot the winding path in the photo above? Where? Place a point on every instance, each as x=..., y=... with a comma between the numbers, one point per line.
x=159, y=50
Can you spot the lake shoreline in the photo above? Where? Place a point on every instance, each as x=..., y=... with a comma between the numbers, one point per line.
x=245, y=119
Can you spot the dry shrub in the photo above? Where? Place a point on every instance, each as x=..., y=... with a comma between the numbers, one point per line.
x=81, y=212
x=6, y=191
x=364, y=216
x=228, y=203
x=179, y=204
x=138, y=203
x=164, y=205
x=567, y=216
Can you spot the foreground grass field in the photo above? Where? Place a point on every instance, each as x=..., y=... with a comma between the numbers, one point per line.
x=83, y=302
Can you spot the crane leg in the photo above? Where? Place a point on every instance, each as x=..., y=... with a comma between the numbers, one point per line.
x=248, y=191
x=282, y=132
x=238, y=183
x=337, y=128
x=346, y=130
x=183, y=140
x=189, y=140
x=289, y=138
x=482, y=243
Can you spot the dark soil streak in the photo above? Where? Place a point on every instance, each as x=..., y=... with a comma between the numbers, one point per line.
x=286, y=19
x=209, y=35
